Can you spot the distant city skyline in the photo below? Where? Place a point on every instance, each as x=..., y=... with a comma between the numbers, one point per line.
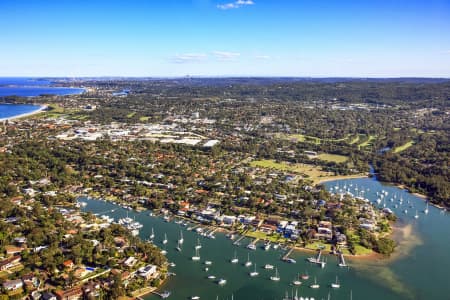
x=174, y=38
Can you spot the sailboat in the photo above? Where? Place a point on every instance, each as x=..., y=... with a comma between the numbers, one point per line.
x=181, y=240
x=152, y=235
x=234, y=260
x=315, y=285
x=196, y=257
x=296, y=281
x=254, y=273
x=198, y=246
x=426, y=209
x=178, y=246
x=248, y=263
x=165, y=239
x=305, y=276
x=276, y=277
x=164, y=251
x=336, y=284
x=416, y=216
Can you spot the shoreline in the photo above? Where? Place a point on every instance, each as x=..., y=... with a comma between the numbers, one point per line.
x=40, y=109
x=342, y=177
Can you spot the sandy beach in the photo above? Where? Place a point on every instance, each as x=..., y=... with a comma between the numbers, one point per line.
x=40, y=109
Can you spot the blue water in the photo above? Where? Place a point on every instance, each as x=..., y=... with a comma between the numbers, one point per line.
x=11, y=110
x=29, y=87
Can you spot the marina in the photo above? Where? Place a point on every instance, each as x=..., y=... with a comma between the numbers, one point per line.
x=365, y=279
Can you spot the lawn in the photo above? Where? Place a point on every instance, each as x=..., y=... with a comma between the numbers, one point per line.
x=274, y=238
x=333, y=157
x=314, y=173
x=144, y=119
x=319, y=245
x=403, y=147
x=130, y=115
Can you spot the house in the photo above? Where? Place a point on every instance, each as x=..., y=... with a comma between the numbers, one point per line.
x=12, y=285
x=70, y=294
x=130, y=261
x=147, y=272
x=30, y=280
x=9, y=262
x=68, y=264
x=12, y=250
x=48, y=296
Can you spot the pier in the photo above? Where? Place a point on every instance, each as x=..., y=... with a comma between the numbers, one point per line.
x=286, y=256
x=342, y=261
x=236, y=242
x=163, y=295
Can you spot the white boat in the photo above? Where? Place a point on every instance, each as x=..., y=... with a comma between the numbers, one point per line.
x=222, y=281
x=268, y=267
x=254, y=273
x=276, y=246
x=251, y=246
x=248, y=263
x=315, y=285
x=181, y=240
x=416, y=216
x=234, y=260
x=426, y=209
x=305, y=276
x=208, y=262
x=267, y=246
x=296, y=281
x=196, y=257
x=152, y=235
x=195, y=297
x=178, y=247
x=165, y=239
x=211, y=277
x=198, y=246
x=336, y=285
x=172, y=264
x=163, y=252
x=276, y=277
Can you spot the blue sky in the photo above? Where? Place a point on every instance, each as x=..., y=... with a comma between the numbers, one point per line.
x=377, y=38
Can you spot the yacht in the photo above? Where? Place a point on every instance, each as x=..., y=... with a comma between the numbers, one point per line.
x=248, y=263
x=198, y=246
x=196, y=257
x=178, y=247
x=296, y=281
x=181, y=240
x=315, y=285
x=165, y=239
x=222, y=281
x=234, y=260
x=276, y=277
x=426, y=209
x=336, y=285
x=152, y=235
x=305, y=276
x=254, y=273
x=211, y=277
x=267, y=246
x=416, y=216
x=208, y=262
x=268, y=267
x=195, y=297
x=251, y=246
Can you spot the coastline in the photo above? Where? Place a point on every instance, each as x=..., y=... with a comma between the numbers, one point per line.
x=341, y=177
x=40, y=109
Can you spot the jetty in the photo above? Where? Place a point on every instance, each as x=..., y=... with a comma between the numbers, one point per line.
x=163, y=295
x=236, y=242
x=342, y=261
x=316, y=260
x=288, y=253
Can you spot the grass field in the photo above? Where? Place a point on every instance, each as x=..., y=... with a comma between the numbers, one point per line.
x=274, y=238
x=333, y=157
x=314, y=173
x=403, y=147
x=144, y=119
x=131, y=114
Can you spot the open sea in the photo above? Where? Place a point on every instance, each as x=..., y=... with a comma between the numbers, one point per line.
x=29, y=87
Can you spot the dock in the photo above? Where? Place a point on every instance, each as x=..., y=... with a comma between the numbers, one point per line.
x=342, y=261
x=163, y=295
x=286, y=256
x=236, y=242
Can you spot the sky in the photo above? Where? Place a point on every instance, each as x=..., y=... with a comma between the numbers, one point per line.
x=171, y=38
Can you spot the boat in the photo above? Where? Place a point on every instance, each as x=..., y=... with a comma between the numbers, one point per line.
x=152, y=235
x=181, y=240
x=222, y=281
x=195, y=297
x=268, y=267
x=165, y=239
x=172, y=264
x=405, y=211
x=296, y=281
x=251, y=246
x=163, y=252
x=266, y=246
x=196, y=257
x=305, y=276
x=198, y=246
x=315, y=285
x=291, y=260
x=426, y=209
x=416, y=216
x=335, y=285
x=208, y=262
x=248, y=263
x=276, y=246
x=254, y=273
x=234, y=260
x=206, y=269
x=178, y=247
x=211, y=277
x=276, y=277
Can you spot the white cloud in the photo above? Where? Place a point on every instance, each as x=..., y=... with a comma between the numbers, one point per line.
x=263, y=57
x=188, y=58
x=226, y=56
x=235, y=4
